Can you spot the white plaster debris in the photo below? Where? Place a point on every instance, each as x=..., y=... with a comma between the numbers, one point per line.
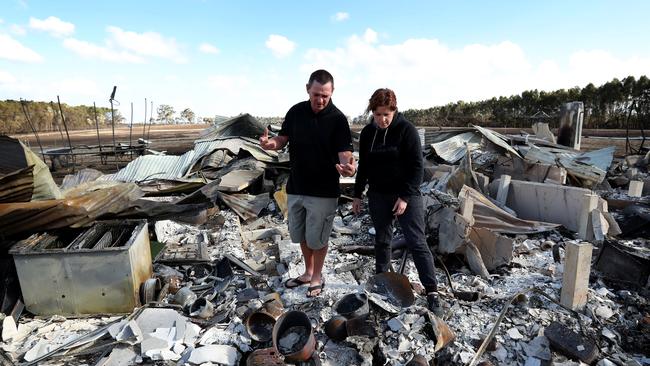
x=223, y=355
x=514, y=334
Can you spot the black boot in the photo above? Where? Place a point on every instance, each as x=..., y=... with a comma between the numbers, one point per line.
x=434, y=304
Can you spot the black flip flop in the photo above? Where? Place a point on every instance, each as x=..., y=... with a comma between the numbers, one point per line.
x=317, y=287
x=294, y=282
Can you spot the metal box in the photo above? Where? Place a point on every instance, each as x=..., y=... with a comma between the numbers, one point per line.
x=99, y=271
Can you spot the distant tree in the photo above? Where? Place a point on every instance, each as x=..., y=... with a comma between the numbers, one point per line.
x=165, y=113
x=188, y=115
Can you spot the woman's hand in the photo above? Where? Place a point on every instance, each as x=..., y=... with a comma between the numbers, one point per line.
x=399, y=207
x=356, y=206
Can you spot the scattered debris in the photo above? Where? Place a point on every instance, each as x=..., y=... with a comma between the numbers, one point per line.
x=205, y=286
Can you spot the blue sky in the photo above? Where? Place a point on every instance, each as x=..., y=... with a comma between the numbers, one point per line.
x=227, y=57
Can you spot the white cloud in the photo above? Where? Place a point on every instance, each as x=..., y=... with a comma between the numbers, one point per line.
x=370, y=36
x=128, y=47
x=53, y=25
x=228, y=83
x=10, y=49
x=146, y=44
x=208, y=48
x=6, y=78
x=1, y=21
x=92, y=51
x=281, y=46
x=17, y=30
x=426, y=72
x=341, y=16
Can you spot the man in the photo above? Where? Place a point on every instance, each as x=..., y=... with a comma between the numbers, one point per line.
x=320, y=149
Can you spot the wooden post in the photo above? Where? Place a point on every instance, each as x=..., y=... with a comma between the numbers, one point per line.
x=575, y=279
x=635, y=189
x=504, y=186
x=589, y=203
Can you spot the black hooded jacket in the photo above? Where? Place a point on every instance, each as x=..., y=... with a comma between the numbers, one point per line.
x=390, y=159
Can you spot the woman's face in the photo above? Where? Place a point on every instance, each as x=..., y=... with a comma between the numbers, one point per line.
x=383, y=116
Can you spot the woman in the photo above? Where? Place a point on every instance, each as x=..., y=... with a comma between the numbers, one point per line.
x=390, y=162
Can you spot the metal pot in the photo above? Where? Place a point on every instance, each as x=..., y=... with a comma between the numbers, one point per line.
x=294, y=320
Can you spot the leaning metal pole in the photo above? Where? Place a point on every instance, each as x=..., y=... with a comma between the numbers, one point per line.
x=144, y=122
x=150, y=121
x=113, y=119
x=58, y=125
x=99, y=141
x=23, y=104
x=131, y=132
x=66, y=131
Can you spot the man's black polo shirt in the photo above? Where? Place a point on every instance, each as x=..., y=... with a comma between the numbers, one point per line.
x=314, y=143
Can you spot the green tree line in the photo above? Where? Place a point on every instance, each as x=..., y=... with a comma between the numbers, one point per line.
x=46, y=117
x=614, y=104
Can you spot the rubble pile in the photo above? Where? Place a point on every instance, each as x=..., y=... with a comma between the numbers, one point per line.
x=542, y=252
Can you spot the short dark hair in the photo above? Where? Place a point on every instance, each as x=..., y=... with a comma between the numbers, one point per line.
x=322, y=77
x=382, y=98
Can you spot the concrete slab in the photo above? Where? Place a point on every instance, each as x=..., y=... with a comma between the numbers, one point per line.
x=521, y=169
x=545, y=202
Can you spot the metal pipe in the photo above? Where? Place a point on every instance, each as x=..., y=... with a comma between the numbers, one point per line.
x=144, y=122
x=150, y=120
x=23, y=104
x=99, y=141
x=131, y=131
x=113, y=119
x=58, y=126
x=66, y=131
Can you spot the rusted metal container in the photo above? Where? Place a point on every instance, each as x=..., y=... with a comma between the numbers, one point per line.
x=100, y=271
x=261, y=322
x=307, y=343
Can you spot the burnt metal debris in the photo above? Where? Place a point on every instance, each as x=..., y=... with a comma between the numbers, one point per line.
x=544, y=254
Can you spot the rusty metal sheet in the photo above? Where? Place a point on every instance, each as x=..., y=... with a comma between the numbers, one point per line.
x=17, y=186
x=79, y=208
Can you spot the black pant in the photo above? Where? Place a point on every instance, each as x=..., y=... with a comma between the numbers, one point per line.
x=412, y=224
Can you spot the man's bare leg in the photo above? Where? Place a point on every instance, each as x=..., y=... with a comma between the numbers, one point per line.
x=317, y=269
x=308, y=255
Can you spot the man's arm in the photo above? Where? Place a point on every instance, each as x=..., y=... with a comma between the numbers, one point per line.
x=274, y=143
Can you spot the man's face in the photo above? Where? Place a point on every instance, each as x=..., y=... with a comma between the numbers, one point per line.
x=319, y=95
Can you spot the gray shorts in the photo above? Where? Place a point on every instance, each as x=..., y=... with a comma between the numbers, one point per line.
x=311, y=219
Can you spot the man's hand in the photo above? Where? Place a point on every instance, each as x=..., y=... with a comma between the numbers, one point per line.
x=356, y=206
x=348, y=169
x=266, y=143
x=399, y=207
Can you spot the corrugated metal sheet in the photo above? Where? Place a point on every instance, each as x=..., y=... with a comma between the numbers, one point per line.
x=497, y=139
x=150, y=167
x=453, y=149
x=82, y=176
x=205, y=147
x=245, y=205
x=17, y=186
x=242, y=125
